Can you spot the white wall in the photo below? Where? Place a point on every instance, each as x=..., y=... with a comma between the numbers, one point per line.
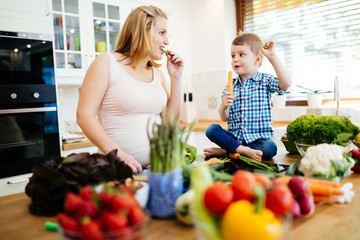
x=212, y=29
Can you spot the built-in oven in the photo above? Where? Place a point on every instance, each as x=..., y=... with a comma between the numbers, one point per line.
x=29, y=131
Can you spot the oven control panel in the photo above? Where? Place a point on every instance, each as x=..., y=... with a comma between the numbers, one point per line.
x=27, y=94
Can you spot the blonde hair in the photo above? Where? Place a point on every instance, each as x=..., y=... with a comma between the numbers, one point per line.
x=250, y=39
x=132, y=41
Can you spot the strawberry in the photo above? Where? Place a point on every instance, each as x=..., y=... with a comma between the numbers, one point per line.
x=113, y=221
x=91, y=230
x=86, y=208
x=121, y=203
x=136, y=215
x=104, y=199
x=72, y=202
x=86, y=193
x=67, y=222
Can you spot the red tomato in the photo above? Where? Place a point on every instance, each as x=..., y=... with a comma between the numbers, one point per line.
x=242, y=184
x=280, y=199
x=218, y=197
x=264, y=180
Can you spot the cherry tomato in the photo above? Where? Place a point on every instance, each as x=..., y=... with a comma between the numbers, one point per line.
x=279, y=199
x=242, y=184
x=218, y=197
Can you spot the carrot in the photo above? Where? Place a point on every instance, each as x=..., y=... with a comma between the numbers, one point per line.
x=320, y=189
x=234, y=155
x=324, y=182
x=318, y=186
x=326, y=198
x=230, y=82
x=213, y=160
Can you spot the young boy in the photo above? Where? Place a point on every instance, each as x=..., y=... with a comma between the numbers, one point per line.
x=249, y=115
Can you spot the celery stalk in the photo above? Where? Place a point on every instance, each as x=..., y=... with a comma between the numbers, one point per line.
x=200, y=178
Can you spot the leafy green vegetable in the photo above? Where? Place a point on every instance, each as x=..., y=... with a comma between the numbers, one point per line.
x=220, y=176
x=342, y=138
x=342, y=168
x=217, y=166
x=321, y=128
x=50, y=182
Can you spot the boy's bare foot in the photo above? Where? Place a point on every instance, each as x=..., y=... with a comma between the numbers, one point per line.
x=218, y=152
x=249, y=152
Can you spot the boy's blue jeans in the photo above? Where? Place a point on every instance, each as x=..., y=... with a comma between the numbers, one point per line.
x=226, y=140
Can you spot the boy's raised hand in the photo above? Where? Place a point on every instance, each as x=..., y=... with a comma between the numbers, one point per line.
x=268, y=49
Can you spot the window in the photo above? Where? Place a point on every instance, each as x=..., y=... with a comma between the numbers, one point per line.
x=316, y=40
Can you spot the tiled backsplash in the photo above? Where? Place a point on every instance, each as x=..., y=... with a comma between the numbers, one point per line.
x=208, y=87
x=68, y=97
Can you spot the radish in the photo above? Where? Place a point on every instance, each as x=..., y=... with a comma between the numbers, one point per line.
x=306, y=204
x=298, y=186
x=303, y=196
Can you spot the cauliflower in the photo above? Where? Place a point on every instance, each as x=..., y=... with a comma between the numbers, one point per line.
x=326, y=160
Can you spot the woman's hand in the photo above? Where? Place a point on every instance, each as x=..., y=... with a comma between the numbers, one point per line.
x=175, y=65
x=131, y=162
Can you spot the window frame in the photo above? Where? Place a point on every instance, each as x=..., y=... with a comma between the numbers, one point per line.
x=298, y=100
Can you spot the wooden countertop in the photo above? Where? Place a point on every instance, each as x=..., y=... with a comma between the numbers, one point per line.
x=200, y=126
x=330, y=222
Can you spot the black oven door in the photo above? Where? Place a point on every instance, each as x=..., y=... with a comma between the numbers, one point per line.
x=29, y=136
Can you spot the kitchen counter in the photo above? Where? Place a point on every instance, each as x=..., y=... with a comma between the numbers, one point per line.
x=330, y=222
x=200, y=126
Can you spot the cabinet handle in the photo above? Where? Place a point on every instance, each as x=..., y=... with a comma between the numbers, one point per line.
x=18, y=181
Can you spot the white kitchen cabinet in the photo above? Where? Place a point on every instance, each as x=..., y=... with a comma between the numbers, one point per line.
x=15, y=184
x=83, y=29
x=25, y=16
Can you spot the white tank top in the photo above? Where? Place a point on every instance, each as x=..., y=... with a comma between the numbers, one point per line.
x=126, y=108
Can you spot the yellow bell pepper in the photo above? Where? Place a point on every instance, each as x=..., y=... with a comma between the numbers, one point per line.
x=243, y=220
